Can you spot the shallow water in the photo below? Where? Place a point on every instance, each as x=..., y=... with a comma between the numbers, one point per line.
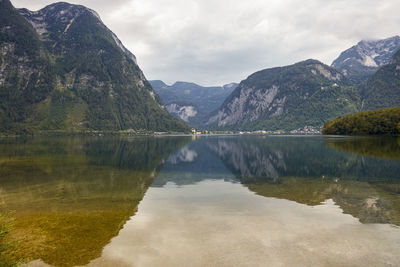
x=205, y=201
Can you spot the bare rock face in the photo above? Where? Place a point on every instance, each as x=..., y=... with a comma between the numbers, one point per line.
x=260, y=101
x=278, y=98
x=183, y=112
x=364, y=59
x=191, y=102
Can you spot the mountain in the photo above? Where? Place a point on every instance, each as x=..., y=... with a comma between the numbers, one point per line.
x=382, y=90
x=26, y=76
x=63, y=69
x=306, y=93
x=375, y=122
x=364, y=59
x=190, y=102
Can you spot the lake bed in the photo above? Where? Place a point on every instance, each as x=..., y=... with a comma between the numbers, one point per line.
x=212, y=200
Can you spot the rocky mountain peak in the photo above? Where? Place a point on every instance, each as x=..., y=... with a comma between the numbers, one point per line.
x=57, y=13
x=363, y=59
x=59, y=18
x=371, y=53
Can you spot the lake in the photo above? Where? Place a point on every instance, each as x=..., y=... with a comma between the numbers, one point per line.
x=203, y=200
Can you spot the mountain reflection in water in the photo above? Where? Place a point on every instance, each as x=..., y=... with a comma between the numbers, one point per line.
x=303, y=169
x=72, y=196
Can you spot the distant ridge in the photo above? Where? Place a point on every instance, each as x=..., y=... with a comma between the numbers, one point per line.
x=190, y=102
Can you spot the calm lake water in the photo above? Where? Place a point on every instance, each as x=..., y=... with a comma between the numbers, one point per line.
x=203, y=201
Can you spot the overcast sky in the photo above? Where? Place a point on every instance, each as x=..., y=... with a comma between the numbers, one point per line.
x=214, y=42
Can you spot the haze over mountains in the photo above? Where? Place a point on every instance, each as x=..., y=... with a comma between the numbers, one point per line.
x=309, y=93
x=191, y=102
x=62, y=69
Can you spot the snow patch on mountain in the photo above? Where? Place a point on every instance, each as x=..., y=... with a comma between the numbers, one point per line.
x=363, y=59
x=369, y=61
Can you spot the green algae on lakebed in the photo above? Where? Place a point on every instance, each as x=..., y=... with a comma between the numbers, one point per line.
x=66, y=239
x=72, y=195
x=146, y=200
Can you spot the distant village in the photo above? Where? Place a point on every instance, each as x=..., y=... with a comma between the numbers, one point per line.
x=300, y=131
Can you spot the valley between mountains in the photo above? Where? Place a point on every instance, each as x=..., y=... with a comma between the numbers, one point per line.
x=62, y=69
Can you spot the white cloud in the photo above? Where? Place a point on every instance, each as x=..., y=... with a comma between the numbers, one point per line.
x=216, y=42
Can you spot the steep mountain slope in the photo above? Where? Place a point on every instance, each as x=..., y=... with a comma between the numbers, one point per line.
x=190, y=102
x=95, y=81
x=26, y=77
x=364, y=59
x=306, y=93
x=382, y=90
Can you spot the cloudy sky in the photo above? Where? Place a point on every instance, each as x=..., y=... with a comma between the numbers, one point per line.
x=214, y=42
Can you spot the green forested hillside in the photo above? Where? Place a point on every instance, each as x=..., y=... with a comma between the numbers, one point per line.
x=286, y=98
x=382, y=90
x=380, y=96
x=26, y=76
x=65, y=70
x=322, y=106
x=377, y=122
x=310, y=93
